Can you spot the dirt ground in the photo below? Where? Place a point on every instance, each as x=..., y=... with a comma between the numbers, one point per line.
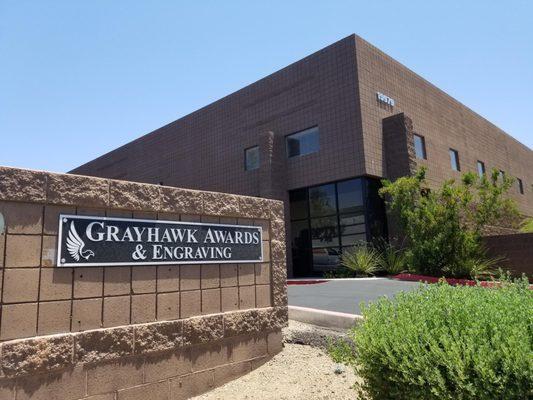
x=298, y=372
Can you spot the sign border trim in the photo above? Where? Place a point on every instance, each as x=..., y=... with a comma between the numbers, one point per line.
x=160, y=221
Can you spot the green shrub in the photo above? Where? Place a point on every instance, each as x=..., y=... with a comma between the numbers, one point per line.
x=364, y=260
x=527, y=225
x=443, y=342
x=393, y=260
x=443, y=227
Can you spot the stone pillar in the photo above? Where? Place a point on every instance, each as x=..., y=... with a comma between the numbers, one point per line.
x=273, y=179
x=398, y=143
x=399, y=146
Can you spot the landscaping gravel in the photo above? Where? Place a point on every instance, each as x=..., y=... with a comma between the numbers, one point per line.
x=298, y=372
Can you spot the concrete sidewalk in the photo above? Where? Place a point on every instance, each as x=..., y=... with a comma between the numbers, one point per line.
x=345, y=295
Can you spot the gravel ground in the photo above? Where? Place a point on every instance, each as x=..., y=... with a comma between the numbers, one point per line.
x=300, y=371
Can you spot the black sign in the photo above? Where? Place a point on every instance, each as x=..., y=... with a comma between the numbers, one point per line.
x=93, y=241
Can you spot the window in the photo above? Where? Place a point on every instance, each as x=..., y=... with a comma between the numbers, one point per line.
x=322, y=200
x=299, y=205
x=420, y=146
x=251, y=158
x=454, y=160
x=350, y=195
x=481, y=169
x=520, y=185
x=302, y=143
x=328, y=219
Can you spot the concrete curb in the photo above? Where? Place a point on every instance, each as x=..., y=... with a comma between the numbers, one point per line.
x=327, y=319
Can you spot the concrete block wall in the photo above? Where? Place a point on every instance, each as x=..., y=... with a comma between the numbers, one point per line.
x=61, y=327
x=516, y=251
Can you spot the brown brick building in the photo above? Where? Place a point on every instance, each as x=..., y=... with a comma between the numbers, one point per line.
x=318, y=135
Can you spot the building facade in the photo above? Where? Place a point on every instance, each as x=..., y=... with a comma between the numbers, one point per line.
x=319, y=135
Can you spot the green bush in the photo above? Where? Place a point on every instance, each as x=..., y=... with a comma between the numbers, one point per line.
x=393, y=261
x=527, y=225
x=443, y=342
x=443, y=227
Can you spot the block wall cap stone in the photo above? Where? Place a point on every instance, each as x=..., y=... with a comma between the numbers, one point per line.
x=79, y=190
x=182, y=201
x=133, y=196
x=103, y=344
x=22, y=185
x=254, y=207
x=37, y=355
x=221, y=204
x=204, y=329
x=243, y=322
x=277, y=209
x=159, y=336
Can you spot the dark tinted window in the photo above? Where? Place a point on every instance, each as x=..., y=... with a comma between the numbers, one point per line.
x=350, y=196
x=251, y=158
x=304, y=142
x=481, y=168
x=326, y=259
x=322, y=200
x=420, y=146
x=331, y=217
x=300, y=234
x=324, y=231
x=298, y=202
x=351, y=240
x=454, y=160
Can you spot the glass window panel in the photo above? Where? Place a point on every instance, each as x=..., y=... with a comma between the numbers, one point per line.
x=300, y=234
x=251, y=158
x=325, y=259
x=454, y=160
x=375, y=210
x=352, y=219
x=353, y=239
x=324, y=232
x=420, y=146
x=481, y=168
x=302, y=143
x=350, y=196
x=298, y=204
x=520, y=185
x=353, y=229
x=322, y=200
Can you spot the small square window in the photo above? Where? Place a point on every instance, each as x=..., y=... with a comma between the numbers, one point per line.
x=251, y=158
x=454, y=160
x=520, y=185
x=420, y=146
x=303, y=142
x=481, y=169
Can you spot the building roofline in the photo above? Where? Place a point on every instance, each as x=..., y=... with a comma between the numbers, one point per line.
x=385, y=55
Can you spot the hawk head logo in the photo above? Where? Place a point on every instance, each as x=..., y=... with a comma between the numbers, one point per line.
x=75, y=245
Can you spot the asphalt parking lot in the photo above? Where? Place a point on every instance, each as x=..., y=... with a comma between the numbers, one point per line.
x=345, y=295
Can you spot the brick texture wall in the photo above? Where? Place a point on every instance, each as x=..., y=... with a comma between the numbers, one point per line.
x=443, y=121
x=334, y=88
x=219, y=320
x=516, y=250
x=205, y=150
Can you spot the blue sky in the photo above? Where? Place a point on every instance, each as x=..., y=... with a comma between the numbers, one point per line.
x=78, y=79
